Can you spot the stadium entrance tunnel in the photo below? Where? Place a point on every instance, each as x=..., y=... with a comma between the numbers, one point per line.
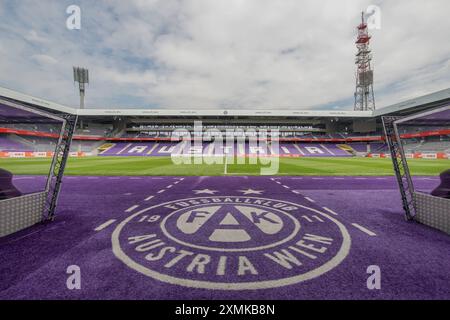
x=432, y=209
x=21, y=208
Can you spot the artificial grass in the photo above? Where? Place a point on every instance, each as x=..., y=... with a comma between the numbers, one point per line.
x=163, y=166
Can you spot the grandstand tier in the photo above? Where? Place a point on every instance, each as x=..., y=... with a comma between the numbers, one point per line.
x=152, y=132
x=29, y=140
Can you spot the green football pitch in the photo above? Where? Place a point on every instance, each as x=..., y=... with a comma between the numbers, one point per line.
x=160, y=166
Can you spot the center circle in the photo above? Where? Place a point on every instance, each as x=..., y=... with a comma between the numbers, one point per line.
x=291, y=226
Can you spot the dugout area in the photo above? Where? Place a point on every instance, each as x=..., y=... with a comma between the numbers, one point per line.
x=430, y=209
x=20, y=210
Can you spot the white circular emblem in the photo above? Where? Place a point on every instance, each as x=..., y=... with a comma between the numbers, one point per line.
x=231, y=243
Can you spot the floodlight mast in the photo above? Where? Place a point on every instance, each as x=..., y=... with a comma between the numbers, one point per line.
x=81, y=75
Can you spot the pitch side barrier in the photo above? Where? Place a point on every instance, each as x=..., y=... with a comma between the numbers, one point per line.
x=415, y=155
x=425, y=208
x=18, y=211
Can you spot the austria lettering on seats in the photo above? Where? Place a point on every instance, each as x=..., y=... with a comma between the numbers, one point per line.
x=261, y=148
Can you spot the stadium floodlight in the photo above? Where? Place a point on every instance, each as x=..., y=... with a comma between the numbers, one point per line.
x=81, y=75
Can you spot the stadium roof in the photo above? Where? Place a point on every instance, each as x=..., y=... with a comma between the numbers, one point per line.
x=436, y=117
x=16, y=113
x=417, y=104
x=408, y=107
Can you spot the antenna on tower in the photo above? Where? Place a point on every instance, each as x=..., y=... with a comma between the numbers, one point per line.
x=364, y=96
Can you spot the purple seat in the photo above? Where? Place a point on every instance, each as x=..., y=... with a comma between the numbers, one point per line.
x=443, y=190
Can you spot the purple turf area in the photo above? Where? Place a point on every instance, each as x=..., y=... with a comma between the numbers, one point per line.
x=240, y=238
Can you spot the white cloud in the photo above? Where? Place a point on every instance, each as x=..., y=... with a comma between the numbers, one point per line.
x=222, y=53
x=33, y=36
x=43, y=59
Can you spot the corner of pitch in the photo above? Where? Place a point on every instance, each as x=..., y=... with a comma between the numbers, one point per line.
x=231, y=242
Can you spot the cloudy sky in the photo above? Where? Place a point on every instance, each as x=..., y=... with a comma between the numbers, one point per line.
x=222, y=53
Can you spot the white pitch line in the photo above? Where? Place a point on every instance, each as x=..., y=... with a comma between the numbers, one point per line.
x=296, y=191
x=225, y=165
x=365, y=230
x=161, y=191
x=104, y=225
x=170, y=186
x=132, y=208
x=309, y=199
x=149, y=198
x=330, y=211
x=287, y=187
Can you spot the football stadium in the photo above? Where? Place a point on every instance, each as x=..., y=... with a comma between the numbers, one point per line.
x=214, y=204
x=335, y=180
